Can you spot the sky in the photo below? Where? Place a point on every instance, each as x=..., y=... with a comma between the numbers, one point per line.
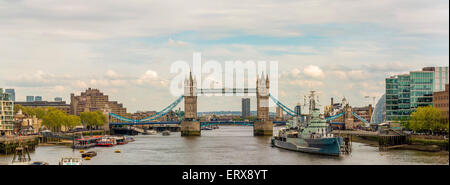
x=340, y=48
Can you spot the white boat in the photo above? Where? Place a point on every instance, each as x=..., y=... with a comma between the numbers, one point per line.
x=166, y=133
x=150, y=132
x=70, y=161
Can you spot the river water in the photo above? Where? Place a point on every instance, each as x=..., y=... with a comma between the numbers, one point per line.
x=227, y=145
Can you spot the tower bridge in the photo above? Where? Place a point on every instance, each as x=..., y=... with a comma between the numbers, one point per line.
x=191, y=126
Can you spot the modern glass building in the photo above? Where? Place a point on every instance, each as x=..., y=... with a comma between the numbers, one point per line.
x=6, y=113
x=12, y=92
x=391, y=98
x=406, y=92
x=38, y=98
x=30, y=98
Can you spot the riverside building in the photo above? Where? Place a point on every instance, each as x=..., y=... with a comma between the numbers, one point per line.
x=6, y=114
x=406, y=92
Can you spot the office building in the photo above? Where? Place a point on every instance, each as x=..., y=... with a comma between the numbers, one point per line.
x=12, y=92
x=61, y=105
x=245, y=107
x=58, y=99
x=406, y=92
x=30, y=98
x=298, y=109
x=38, y=98
x=6, y=114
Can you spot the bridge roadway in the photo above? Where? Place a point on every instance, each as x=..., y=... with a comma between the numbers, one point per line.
x=203, y=123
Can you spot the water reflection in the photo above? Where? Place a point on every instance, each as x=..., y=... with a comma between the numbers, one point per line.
x=227, y=145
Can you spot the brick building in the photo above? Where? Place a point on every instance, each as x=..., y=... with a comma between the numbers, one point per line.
x=440, y=101
x=94, y=100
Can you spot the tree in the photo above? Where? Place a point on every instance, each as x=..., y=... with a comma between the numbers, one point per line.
x=72, y=121
x=93, y=119
x=54, y=120
x=428, y=119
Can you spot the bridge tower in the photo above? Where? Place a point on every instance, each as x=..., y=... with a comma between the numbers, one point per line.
x=190, y=126
x=262, y=126
x=348, y=116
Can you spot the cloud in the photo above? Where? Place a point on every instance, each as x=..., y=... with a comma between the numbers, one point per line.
x=177, y=43
x=313, y=71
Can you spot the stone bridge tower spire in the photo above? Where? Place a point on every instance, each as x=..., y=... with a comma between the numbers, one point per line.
x=190, y=98
x=263, y=126
x=190, y=126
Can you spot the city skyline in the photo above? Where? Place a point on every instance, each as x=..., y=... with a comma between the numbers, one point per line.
x=55, y=50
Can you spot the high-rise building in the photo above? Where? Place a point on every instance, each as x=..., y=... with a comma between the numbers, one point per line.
x=279, y=113
x=30, y=98
x=58, y=99
x=6, y=113
x=93, y=100
x=406, y=92
x=12, y=92
x=245, y=107
x=379, y=113
x=298, y=109
x=38, y=98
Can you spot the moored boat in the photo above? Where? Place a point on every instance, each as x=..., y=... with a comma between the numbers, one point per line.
x=70, y=161
x=121, y=140
x=165, y=133
x=85, y=142
x=129, y=139
x=314, y=137
x=106, y=141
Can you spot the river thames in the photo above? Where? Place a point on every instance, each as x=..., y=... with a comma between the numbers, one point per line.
x=230, y=145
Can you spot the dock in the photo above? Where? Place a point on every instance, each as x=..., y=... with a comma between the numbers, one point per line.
x=8, y=144
x=386, y=139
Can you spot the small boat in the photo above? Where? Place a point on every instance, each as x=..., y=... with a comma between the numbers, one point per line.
x=150, y=132
x=85, y=142
x=206, y=128
x=87, y=158
x=107, y=141
x=165, y=133
x=117, y=151
x=39, y=163
x=129, y=139
x=70, y=161
x=89, y=154
x=121, y=140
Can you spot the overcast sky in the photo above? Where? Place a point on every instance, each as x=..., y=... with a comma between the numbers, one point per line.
x=125, y=48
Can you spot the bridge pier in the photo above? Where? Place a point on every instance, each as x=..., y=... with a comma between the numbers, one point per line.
x=190, y=128
x=263, y=128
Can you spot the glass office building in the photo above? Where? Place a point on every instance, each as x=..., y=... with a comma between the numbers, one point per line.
x=406, y=92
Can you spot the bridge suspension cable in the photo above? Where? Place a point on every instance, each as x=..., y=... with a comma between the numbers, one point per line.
x=360, y=118
x=335, y=116
x=164, y=111
x=284, y=107
x=152, y=117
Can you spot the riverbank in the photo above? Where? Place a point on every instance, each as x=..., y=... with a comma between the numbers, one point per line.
x=418, y=144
